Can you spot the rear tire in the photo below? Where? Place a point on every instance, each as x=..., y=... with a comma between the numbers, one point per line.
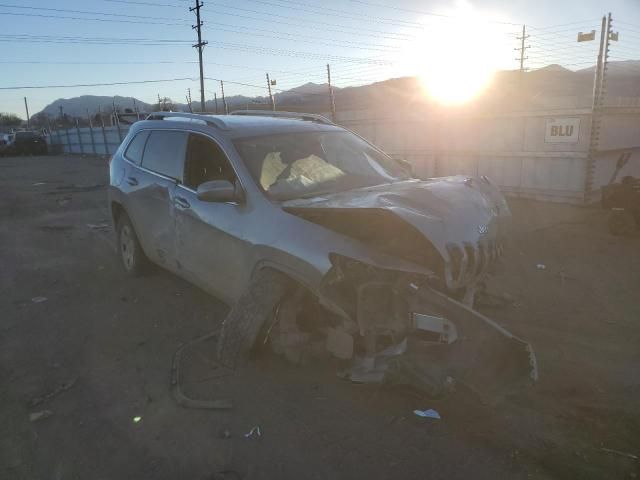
x=246, y=318
x=132, y=257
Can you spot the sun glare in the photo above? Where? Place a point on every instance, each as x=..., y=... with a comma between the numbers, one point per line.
x=456, y=58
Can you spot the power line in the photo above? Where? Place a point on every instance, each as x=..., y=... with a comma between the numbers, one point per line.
x=311, y=39
x=222, y=45
x=298, y=21
x=21, y=38
x=554, y=37
x=628, y=23
x=313, y=42
x=322, y=26
x=593, y=25
x=106, y=20
x=149, y=4
x=297, y=53
x=79, y=42
x=591, y=21
x=302, y=21
x=344, y=14
x=104, y=84
x=131, y=82
x=432, y=14
x=83, y=12
x=225, y=27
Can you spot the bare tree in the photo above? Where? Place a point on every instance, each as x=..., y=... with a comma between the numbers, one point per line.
x=10, y=120
x=165, y=104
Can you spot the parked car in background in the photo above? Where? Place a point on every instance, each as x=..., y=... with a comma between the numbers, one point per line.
x=6, y=143
x=29, y=142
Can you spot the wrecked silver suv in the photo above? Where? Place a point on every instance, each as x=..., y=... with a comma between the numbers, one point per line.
x=318, y=238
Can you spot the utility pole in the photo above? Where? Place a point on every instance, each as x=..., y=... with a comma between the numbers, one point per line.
x=200, y=45
x=599, y=90
x=332, y=100
x=159, y=104
x=215, y=99
x=605, y=61
x=224, y=100
x=271, y=99
x=26, y=107
x=188, y=97
x=522, y=50
x=135, y=109
x=116, y=120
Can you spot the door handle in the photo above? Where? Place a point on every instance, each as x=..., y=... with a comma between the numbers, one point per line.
x=181, y=202
x=132, y=181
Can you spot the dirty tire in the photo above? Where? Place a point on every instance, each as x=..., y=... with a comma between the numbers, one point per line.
x=132, y=257
x=243, y=323
x=621, y=223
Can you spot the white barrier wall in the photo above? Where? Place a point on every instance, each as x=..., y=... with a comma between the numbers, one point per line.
x=542, y=154
x=96, y=140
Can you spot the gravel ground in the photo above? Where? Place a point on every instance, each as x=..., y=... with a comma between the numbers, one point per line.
x=73, y=325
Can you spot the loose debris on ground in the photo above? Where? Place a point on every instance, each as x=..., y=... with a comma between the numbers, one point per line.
x=581, y=421
x=41, y=415
x=63, y=387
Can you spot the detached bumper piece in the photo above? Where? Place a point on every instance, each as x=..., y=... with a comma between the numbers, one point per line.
x=447, y=344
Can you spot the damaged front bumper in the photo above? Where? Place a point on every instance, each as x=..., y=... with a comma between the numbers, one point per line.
x=409, y=333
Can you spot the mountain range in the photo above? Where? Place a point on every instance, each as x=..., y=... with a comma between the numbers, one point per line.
x=550, y=86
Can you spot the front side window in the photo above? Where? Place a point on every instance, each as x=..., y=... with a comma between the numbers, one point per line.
x=205, y=162
x=296, y=165
x=136, y=147
x=164, y=153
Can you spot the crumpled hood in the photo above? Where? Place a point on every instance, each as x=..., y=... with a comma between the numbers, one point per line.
x=458, y=210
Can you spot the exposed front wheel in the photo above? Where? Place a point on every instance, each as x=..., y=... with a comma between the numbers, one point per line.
x=132, y=257
x=246, y=318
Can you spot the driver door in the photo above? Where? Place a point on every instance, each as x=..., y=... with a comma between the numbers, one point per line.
x=210, y=248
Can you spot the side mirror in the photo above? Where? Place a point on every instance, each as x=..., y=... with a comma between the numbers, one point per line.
x=218, y=191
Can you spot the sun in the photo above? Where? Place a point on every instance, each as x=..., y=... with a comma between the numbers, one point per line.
x=456, y=58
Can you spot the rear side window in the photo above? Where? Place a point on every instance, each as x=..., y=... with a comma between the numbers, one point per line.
x=164, y=153
x=136, y=147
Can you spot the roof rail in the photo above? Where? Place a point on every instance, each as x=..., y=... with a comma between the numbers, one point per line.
x=206, y=118
x=309, y=117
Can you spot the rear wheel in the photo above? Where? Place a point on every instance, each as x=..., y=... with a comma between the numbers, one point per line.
x=133, y=259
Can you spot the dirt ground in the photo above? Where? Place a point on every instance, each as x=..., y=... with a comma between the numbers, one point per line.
x=110, y=340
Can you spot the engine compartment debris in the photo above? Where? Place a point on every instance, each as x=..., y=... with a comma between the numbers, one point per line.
x=394, y=328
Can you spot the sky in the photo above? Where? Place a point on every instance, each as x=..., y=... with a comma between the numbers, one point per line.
x=453, y=45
